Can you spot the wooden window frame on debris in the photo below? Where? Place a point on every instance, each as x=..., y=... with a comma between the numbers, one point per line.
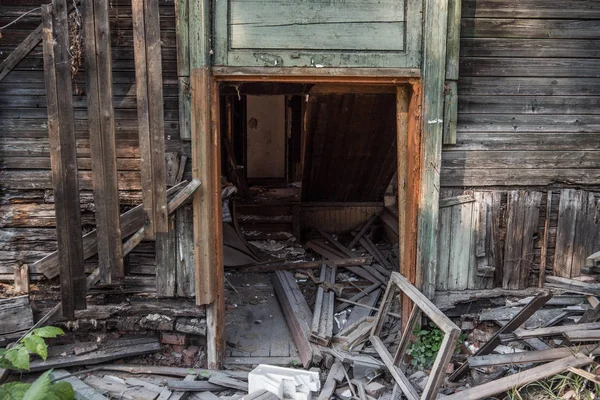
x=421, y=304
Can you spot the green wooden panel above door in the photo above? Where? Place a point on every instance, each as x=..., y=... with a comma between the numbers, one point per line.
x=318, y=33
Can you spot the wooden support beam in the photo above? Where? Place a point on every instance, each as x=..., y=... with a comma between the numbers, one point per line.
x=63, y=155
x=101, y=116
x=544, y=253
x=434, y=72
x=148, y=73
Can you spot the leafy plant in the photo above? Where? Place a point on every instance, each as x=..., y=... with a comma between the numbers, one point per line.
x=17, y=357
x=425, y=347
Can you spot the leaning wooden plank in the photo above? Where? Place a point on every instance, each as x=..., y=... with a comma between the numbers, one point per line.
x=362, y=231
x=63, y=155
x=148, y=73
x=297, y=314
x=130, y=221
x=365, y=292
x=582, y=336
x=527, y=357
x=585, y=374
x=553, y=330
x=292, y=265
x=521, y=379
x=509, y=327
x=322, y=322
x=82, y=390
x=103, y=149
x=96, y=357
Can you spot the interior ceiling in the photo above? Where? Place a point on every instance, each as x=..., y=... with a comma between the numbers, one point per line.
x=350, y=147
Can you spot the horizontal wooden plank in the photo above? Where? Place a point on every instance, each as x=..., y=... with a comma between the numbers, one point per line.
x=527, y=141
x=533, y=86
x=83, y=164
x=24, y=101
x=38, y=128
x=515, y=159
x=79, y=114
x=36, y=179
x=528, y=123
x=538, y=48
x=39, y=147
x=33, y=215
x=572, y=9
x=123, y=77
x=12, y=37
x=534, y=67
x=372, y=36
x=583, y=105
x=37, y=89
x=517, y=177
x=288, y=12
x=530, y=28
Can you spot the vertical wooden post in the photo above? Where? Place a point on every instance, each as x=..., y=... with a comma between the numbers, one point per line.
x=183, y=68
x=452, y=60
x=402, y=101
x=148, y=72
x=63, y=155
x=206, y=166
x=434, y=65
x=101, y=119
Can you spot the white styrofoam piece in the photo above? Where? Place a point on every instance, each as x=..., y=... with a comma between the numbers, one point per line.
x=285, y=383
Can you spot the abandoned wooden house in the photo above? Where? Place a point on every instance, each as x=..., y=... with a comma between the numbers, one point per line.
x=143, y=142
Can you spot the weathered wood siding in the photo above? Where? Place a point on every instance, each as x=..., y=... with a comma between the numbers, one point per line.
x=27, y=219
x=528, y=95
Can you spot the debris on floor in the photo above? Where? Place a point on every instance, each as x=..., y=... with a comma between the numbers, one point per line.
x=331, y=318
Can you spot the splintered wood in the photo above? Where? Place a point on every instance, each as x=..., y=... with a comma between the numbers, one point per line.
x=322, y=323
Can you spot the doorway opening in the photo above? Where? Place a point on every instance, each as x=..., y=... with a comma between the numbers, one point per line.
x=309, y=167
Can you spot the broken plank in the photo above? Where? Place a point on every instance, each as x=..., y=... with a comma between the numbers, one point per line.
x=521, y=379
x=128, y=349
x=582, y=336
x=510, y=326
x=365, y=292
x=554, y=330
x=362, y=231
x=456, y=200
x=527, y=357
x=228, y=382
x=336, y=374
x=297, y=313
x=322, y=249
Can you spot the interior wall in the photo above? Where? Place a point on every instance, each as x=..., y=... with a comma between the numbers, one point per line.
x=266, y=136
